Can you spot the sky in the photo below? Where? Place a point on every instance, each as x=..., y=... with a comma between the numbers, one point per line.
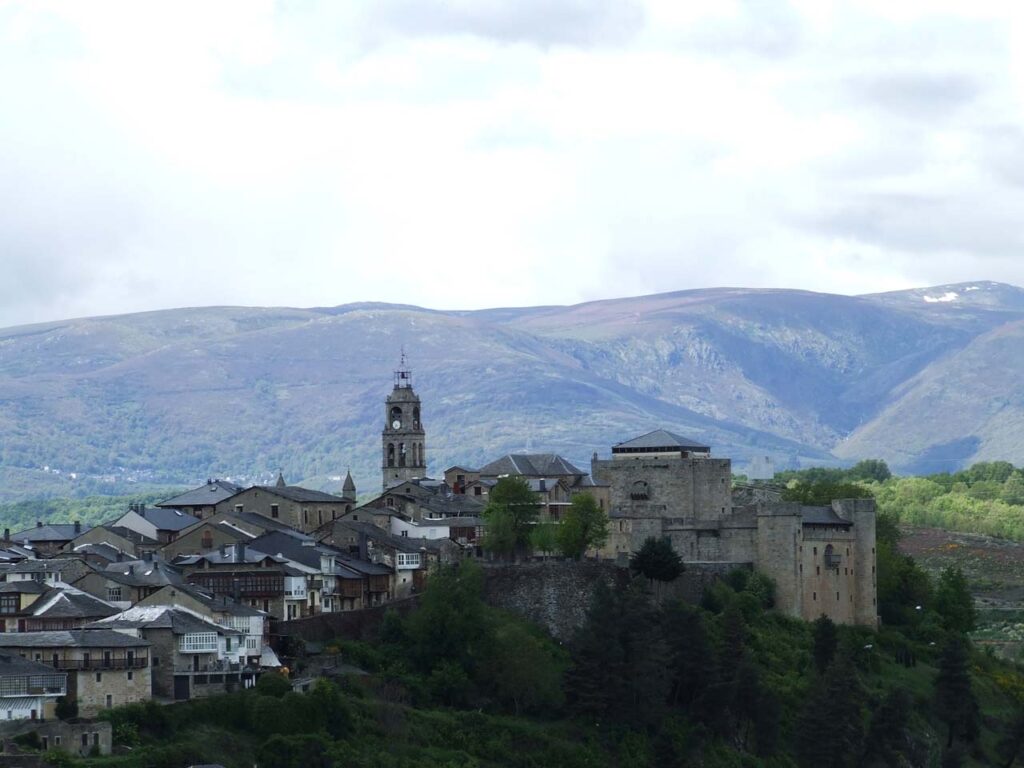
x=475, y=153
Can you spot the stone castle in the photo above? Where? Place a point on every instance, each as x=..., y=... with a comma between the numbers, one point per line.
x=822, y=559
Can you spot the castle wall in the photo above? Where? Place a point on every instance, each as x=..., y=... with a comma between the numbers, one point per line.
x=862, y=513
x=828, y=590
x=778, y=547
x=689, y=489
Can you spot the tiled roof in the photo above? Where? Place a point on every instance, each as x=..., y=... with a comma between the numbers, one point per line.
x=659, y=439
x=207, y=495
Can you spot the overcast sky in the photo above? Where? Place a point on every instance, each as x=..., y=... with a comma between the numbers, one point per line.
x=476, y=153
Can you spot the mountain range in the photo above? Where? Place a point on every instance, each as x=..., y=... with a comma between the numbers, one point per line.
x=928, y=379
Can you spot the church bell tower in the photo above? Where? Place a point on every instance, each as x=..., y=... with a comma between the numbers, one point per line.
x=403, y=438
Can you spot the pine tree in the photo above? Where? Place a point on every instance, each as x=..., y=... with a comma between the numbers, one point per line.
x=829, y=730
x=954, y=698
x=826, y=639
x=954, y=603
x=656, y=559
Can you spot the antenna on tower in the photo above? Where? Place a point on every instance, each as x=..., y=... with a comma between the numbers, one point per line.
x=403, y=376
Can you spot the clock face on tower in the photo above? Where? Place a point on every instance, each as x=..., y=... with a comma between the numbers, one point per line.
x=396, y=424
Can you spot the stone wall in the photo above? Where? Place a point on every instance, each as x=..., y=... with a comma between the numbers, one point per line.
x=352, y=625
x=78, y=737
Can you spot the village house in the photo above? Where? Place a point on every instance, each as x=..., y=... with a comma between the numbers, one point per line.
x=28, y=689
x=553, y=478
x=104, y=668
x=58, y=608
x=65, y=570
x=224, y=528
x=127, y=582
x=201, y=502
x=252, y=623
x=192, y=656
x=107, y=541
x=300, y=508
x=47, y=540
x=244, y=574
x=160, y=523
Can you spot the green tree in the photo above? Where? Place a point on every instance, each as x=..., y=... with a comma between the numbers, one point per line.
x=544, y=538
x=450, y=623
x=829, y=729
x=887, y=732
x=870, y=470
x=524, y=670
x=826, y=640
x=954, y=603
x=954, y=698
x=273, y=684
x=692, y=663
x=511, y=511
x=657, y=560
x=584, y=527
x=822, y=494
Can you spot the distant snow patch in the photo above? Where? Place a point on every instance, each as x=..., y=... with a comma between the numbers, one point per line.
x=972, y=288
x=947, y=296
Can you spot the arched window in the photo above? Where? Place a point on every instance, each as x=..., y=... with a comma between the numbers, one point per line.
x=391, y=454
x=639, y=491
x=396, y=415
x=416, y=417
x=401, y=454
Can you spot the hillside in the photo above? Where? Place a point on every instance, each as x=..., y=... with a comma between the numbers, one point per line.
x=162, y=398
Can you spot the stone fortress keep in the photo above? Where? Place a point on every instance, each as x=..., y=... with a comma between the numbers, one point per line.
x=822, y=559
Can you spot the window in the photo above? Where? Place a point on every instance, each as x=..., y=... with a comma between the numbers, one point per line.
x=99, y=677
x=113, y=594
x=477, y=491
x=837, y=597
x=8, y=604
x=274, y=511
x=238, y=508
x=251, y=642
x=110, y=704
x=409, y=560
x=207, y=542
x=199, y=642
x=156, y=661
x=814, y=595
x=305, y=516
x=130, y=675
x=96, y=737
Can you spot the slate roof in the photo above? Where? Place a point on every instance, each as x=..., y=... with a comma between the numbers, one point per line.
x=24, y=587
x=12, y=664
x=216, y=603
x=659, y=438
x=167, y=519
x=349, y=484
x=277, y=543
x=179, y=620
x=108, y=552
x=531, y=465
x=70, y=604
x=398, y=543
x=822, y=516
x=214, y=557
x=50, y=532
x=301, y=495
x=143, y=573
x=43, y=566
x=129, y=534
x=214, y=492
x=74, y=638
x=453, y=522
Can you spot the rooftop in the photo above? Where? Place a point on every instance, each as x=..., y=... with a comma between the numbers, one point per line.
x=214, y=492
x=71, y=638
x=176, y=618
x=659, y=440
x=51, y=532
x=822, y=516
x=531, y=465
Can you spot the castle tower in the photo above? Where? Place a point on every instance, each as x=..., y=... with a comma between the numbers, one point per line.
x=403, y=440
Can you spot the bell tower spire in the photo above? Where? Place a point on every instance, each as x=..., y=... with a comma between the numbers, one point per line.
x=403, y=439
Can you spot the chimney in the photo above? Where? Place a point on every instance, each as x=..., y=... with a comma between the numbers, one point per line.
x=131, y=570
x=7, y=535
x=236, y=590
x=148, y=557
x=239, y=552
x=39, y=523
x=120, y=556
x=78, y=527
x=362, y=545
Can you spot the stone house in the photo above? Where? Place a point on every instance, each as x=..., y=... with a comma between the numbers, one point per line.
x=104, y=668
x=29, y=689
x=65, y=570
x=252, y=623
x=116, y=539
x=242, y=573
x=201, y=502
x=58, y=608
x=47, y=540
x=160, y=523
x=300, y=508
x=222, y=528
x=192, y=656
x=126, y=583
x=555, y=480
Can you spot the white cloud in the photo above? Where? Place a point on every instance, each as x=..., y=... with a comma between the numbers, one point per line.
x=478, y=154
